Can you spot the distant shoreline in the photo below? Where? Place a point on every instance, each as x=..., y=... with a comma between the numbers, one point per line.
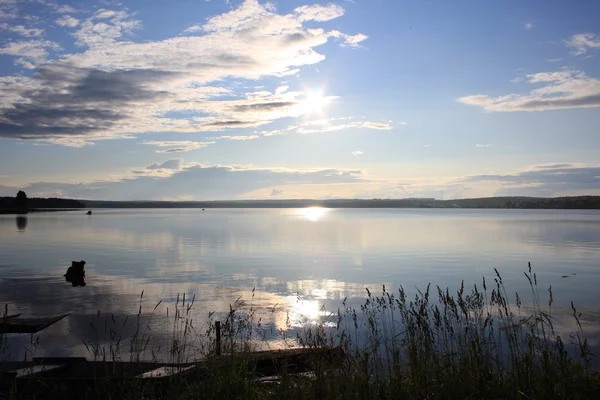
x=579, y=202
x=573, y=202
x=35, y=210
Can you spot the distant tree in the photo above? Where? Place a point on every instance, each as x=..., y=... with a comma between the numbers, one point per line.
x=21, y=199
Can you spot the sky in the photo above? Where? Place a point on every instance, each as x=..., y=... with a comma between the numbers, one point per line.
x=249, y=99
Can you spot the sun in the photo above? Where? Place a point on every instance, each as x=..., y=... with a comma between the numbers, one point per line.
x=314, y=102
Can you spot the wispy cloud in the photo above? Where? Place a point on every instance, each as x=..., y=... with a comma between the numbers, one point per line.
x=349, y=40
x=65, y=9
x=175, y=164
x=239, y=137
x=22, y=30
x=67, y=21
x=274, y=132
x=194, y=29
x=377, y=125
x=528, y=25
x=483, y=145
x=319, y=12
x=30, y=53
x=560, y=90
x=326, y=126
x=357, y=153
x=180, y=146
x=8, y=9
x=105, y=27
x=545, y=180
x=582, y=42
x=210, y=182
x=161, y=170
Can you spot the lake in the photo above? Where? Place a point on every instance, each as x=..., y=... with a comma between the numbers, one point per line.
x=292, y=266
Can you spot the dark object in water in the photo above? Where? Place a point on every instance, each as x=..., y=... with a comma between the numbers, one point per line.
x=89, y=212
x=21, y=223
x=76, y=273
x=16, y=324
x=203, y=209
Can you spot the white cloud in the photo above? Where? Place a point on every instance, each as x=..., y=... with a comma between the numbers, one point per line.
x=377, y=125
x=66, y=10
x=116, y=87
x=582, y=42
x=274, y=132
x=240, y=137
x=175, y=164
x=8, y=9
x=249, y=14
x=357, y=153
x=56, y=8
x=105, y=27
x=349, y=40
x=483, y=145
x=67, y=21
x=325, y=126
x=30, y=51
x=194, y=29
x=319, y=13
x=22, y=30
x=281, y=90
x=528, y=25
x=178, y=146
x=165, y=169
x=563, y=89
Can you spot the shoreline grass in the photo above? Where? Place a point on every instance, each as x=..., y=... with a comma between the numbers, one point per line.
x=471, y=344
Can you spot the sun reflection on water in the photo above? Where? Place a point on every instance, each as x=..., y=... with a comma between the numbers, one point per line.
x=313, y=213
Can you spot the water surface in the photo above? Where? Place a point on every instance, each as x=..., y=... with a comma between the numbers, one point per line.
x=300, y=262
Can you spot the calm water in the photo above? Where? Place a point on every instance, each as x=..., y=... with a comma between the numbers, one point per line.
x=299, y=261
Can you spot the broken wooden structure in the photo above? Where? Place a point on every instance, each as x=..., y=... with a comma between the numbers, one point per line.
x=17, y=324
x=60, y=377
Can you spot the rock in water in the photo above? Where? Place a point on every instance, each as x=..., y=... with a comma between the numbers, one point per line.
x=76, y=273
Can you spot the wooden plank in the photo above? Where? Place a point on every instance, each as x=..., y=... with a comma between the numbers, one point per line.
x=10, y=316
x=30, y=372
x=267, y=365
x=28, y=325
x=164, y=372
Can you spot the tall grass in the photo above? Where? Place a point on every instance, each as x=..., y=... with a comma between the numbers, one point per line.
x=474, y=343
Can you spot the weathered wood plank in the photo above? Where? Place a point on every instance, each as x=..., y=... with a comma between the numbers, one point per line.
x=16, y=324
x=164, y=372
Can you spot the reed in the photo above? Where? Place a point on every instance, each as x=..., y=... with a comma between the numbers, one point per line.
x=471, y=344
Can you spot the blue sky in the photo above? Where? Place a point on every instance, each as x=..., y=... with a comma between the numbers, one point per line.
x=292, y=99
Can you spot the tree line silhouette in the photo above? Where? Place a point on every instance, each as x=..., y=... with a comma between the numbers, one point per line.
x=22, y=204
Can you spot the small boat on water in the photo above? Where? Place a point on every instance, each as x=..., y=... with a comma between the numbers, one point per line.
x=17, y=324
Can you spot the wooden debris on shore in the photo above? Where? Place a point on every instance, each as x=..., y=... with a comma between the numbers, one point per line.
x=60, y=371
x=17, y=324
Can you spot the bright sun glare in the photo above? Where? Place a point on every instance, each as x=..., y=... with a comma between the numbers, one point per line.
x=315, y=101
x=313, y=213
